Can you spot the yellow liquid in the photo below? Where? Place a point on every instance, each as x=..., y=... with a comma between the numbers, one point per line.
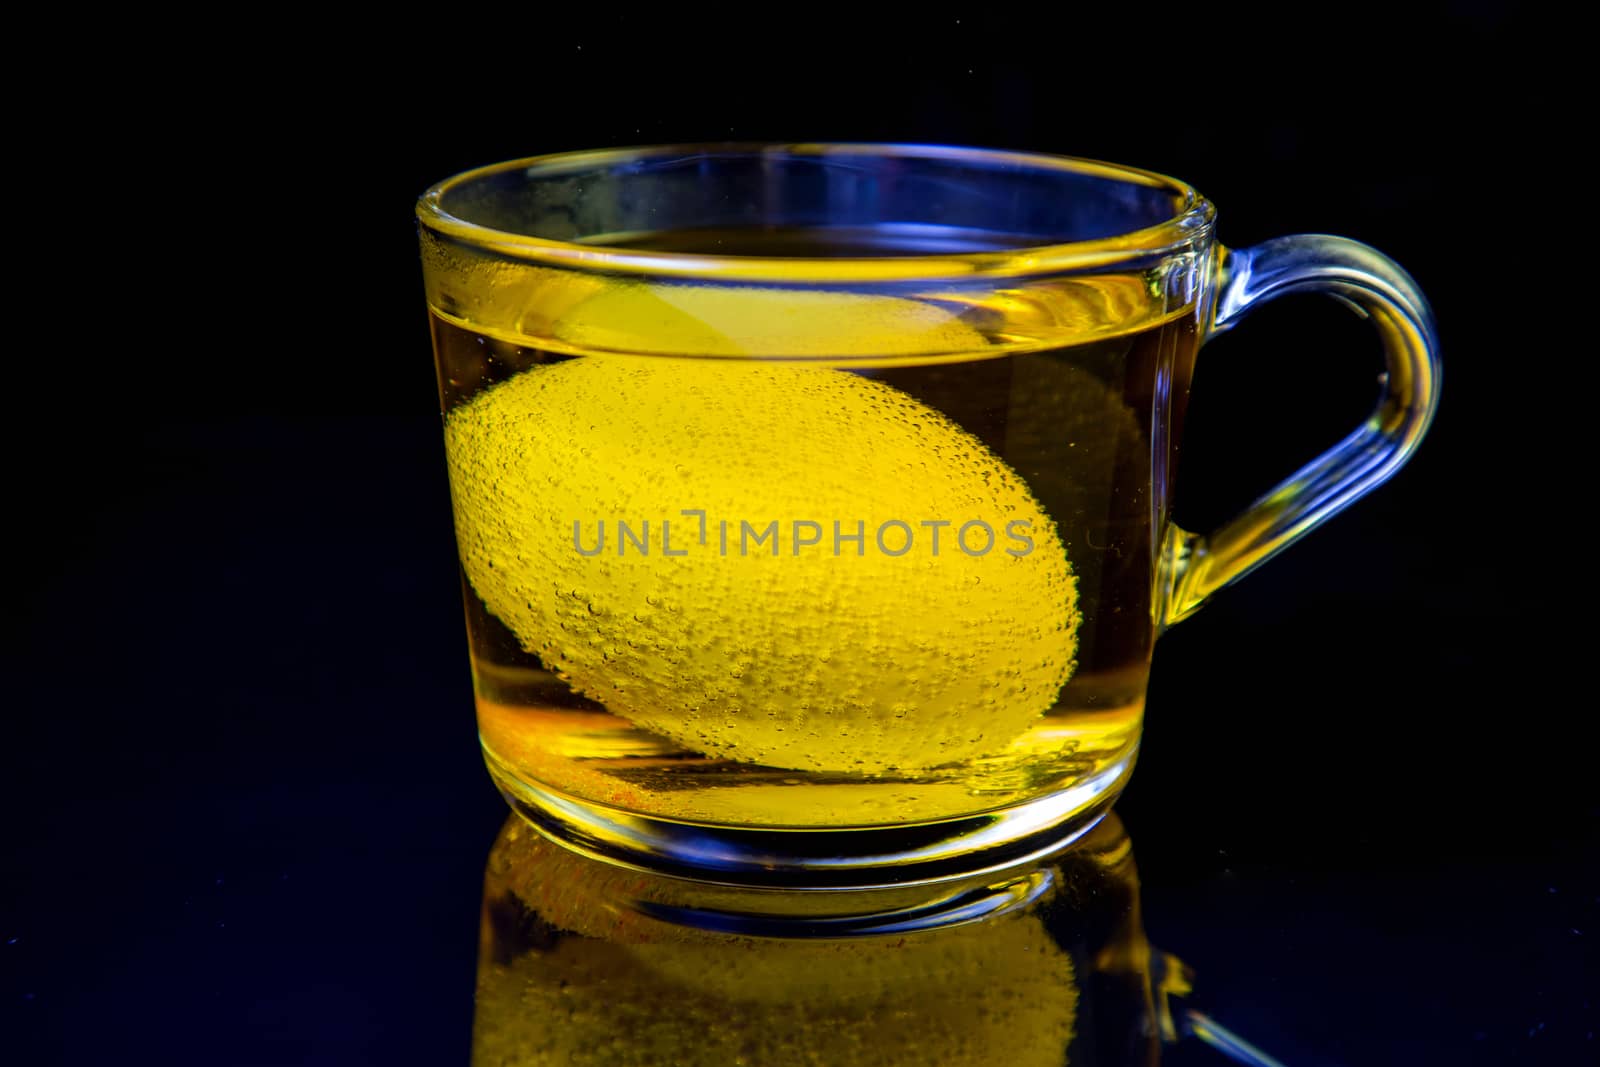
x=664, y=617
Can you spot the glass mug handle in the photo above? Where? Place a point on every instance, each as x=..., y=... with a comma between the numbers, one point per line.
x=1197, y=565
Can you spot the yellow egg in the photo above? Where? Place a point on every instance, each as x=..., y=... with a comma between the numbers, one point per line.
x=734, y=616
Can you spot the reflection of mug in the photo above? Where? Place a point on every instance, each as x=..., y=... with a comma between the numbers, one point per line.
x=581, y=962
x=813, y=500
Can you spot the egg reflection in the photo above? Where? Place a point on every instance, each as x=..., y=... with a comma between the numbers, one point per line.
x=583, y=962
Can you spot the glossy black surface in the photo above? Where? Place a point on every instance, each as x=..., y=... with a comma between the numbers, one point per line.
x=247, y=818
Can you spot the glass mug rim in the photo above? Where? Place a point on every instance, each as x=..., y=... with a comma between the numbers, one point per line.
x=1191, y=221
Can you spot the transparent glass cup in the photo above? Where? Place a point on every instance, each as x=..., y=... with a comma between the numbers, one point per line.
x=813, y=501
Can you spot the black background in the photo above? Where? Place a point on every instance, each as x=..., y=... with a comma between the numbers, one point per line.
x=248, y=816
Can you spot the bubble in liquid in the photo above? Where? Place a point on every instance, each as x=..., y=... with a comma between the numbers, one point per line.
x=866, y=663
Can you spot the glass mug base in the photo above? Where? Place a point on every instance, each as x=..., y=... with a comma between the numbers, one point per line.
x=820, y=858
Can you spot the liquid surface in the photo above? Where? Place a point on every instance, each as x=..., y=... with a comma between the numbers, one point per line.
x=890, y=571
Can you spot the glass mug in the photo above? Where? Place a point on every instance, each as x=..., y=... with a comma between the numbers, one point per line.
x=812, y=501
